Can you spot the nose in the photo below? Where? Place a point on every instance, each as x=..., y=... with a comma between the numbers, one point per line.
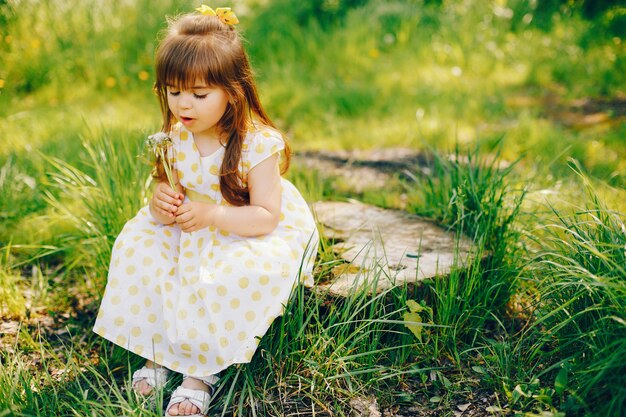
x=184, y=101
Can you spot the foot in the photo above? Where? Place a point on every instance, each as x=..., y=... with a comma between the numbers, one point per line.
x=186, y=408
x=149, y=378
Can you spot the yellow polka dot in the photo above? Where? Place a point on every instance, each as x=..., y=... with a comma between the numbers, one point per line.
x=190, y=268
x=135, y=309
x=214, y=170
x=116, y=299
x=250, y=315
x=212, y=328
x=194, y=279
x=249, y=354
x=242, y=336
x=219, y=360
x=275, y=291
x=216, y=307
x=172, y=272
x=147, y=301
x=136, y=331
x=267, y=266
x=204, y=347
x=234, y=303
x=200, y=242
x=157, y=289
x=202, y=359
x=221, y=290
x=152, y=318
x=249, y=263
x=186, y=243
x=194, y=167
x=147, y=261
x=184, y=135
x=157, y=338
x=256, y=296
x=159, y=272
x=116, y=262
x=188, y=254
x=199, y=179
x=193, y=333
x=215, y=187
x=229, y=325
x=131, y=269
x=167, y=232
x=224, y=342
x=186, y=346
x=119, y=245
x=201, y=312
x=133, y=290
x=138, y=349
x=181, y=156
x=164, y=256
x=228, y=269
x=119, y=321
x=192, y=299
x=202, y=293
x=120, y=340
x=244, y=282
x=264, y=280
x=194, y=147
x=167, y=246
x=182, y=314
x=158, y=357
x=244, y=147
x=169, y=286
x=260, y=148
x=148, y=243
x=129, y=252
x=174, y=365
x=169, y=304
x=114, y=282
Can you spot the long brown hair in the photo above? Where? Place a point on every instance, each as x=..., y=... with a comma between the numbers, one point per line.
x=199, y=47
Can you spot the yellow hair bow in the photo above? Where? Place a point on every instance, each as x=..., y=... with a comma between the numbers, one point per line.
x=223, y=13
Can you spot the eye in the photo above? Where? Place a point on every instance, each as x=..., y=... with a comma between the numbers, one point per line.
x=173, y=92
x=200, y=96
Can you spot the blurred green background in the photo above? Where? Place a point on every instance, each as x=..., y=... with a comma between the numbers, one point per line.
x=547, y=75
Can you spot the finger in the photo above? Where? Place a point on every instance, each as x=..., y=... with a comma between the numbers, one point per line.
x=165, y=188
x=164, y=213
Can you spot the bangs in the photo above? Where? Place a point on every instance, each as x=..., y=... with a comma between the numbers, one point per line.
x=185, y=61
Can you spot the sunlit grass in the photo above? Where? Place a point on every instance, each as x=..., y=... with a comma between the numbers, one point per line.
x=76, y=103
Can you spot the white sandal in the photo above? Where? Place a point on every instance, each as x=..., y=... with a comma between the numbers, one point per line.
x=199, y=398
x=155, y=377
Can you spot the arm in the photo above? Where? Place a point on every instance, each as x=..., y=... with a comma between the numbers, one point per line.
x=259, y=218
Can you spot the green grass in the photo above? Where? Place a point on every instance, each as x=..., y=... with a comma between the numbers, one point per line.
x=536, y=322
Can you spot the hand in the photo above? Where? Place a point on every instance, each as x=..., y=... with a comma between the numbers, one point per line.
x=195, y=215
x=165, y=201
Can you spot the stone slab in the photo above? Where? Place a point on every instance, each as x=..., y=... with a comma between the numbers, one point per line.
x=391, y=245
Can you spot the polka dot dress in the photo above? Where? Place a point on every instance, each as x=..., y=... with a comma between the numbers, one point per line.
x=198, y=302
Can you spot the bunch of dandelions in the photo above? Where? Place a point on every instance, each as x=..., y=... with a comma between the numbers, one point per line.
x=160, y=144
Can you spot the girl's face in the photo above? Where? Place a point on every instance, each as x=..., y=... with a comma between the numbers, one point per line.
x=198, y=109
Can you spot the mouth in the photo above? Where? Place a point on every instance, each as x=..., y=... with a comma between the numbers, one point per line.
x=185, y=119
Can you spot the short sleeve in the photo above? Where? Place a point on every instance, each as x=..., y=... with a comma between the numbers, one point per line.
x=261, y=145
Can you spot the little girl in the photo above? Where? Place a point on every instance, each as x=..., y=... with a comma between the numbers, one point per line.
x=198, y=276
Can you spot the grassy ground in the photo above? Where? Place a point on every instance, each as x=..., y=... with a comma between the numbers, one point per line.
x=537, y=327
